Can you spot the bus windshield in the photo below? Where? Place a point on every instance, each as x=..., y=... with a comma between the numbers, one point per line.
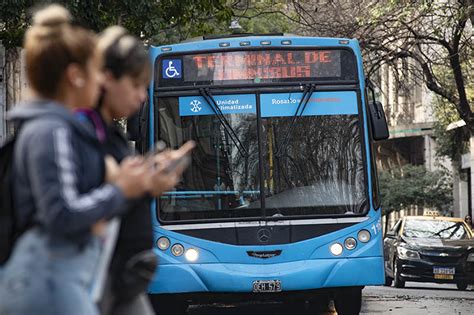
x=263, y=154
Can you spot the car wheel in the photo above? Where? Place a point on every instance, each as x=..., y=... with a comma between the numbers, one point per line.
x=397, y=281
x=388, y=281
x=461, y=286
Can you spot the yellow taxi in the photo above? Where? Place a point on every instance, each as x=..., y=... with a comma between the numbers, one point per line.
x=429, y=248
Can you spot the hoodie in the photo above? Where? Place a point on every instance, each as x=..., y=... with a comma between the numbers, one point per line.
x=58, y=173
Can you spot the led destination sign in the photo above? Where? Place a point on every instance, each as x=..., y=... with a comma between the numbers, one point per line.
x=264, y=65
x=258, y=67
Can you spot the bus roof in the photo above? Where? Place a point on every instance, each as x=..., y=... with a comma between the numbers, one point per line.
x=267, y=41
x=222, y=36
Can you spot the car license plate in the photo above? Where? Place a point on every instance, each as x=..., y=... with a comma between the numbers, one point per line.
x=266, y=286
x=444, y=273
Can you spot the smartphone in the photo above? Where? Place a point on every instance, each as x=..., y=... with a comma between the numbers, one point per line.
x=160, y=146
x=182, y=162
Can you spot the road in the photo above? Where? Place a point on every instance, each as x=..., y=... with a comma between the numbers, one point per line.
x=415, y=299
x=418, y=298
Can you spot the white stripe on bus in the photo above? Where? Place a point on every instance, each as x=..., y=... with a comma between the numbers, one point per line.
x=223, y=225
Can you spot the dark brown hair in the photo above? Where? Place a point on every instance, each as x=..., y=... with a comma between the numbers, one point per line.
x=124, y=54
x=51, y=44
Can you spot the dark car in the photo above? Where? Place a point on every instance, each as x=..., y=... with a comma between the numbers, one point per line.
x=429, y=249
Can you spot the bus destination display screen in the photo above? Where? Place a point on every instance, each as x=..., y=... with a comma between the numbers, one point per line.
x=262, y=66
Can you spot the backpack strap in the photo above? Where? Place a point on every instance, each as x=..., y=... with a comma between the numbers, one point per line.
x=8, y=222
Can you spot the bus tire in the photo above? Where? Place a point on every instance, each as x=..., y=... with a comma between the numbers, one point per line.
x=348, y=301
x=461, y=286
x=296, y=307
x=168, y=305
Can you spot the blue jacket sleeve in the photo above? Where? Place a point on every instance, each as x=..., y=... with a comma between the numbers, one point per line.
x=52, y=167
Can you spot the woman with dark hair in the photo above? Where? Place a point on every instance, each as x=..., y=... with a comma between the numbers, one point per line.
x=63, y=188
x=127, y=72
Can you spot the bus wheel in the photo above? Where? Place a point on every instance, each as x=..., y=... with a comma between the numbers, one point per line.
x=461, y=286
x=348, y=301
x=168, y=305
x=297, y=307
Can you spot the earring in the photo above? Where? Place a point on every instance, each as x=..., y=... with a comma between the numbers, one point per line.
x=79, y=82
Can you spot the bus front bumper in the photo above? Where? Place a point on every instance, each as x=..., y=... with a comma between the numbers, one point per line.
x=294, y=276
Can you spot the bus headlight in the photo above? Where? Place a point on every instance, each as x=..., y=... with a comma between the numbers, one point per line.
x=177, y=250
x=350, y=243
x=336, y=249
x=405, y=253
x=191, y=255
x=470, y=257
x=363, y=236
x=163, y=243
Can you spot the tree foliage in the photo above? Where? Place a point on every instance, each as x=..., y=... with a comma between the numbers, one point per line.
x=262, y=17
x=156, y=21
x=436, y=35
x=411, y=185
x=449, y=143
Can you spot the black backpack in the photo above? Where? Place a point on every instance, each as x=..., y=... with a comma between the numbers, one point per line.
x=9, y=230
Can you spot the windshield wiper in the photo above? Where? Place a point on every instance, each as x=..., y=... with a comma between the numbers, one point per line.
x=307, y=92
x=206, y=94
x=456, y=225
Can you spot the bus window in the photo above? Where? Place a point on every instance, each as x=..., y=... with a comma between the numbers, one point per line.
x=222, y=181
x=313, y=164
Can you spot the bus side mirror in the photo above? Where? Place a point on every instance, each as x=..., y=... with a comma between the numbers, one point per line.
x=378, y=121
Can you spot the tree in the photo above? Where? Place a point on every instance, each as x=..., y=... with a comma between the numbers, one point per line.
x=144, y=18
x=452, y=143
x=262, y=17
x=410, y=185
x=435, y=34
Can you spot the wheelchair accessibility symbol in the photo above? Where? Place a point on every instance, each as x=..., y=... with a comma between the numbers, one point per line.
x=195, y=106
x=172, y=69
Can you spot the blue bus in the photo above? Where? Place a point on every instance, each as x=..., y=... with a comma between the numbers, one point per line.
x=280, y=201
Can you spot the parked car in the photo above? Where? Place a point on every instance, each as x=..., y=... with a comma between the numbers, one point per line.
x=429, y=249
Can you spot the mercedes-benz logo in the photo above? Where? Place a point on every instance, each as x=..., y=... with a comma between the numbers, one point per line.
x=264, y=235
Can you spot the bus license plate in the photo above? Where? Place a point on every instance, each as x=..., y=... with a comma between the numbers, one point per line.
x=444, y=273
x=266, y=286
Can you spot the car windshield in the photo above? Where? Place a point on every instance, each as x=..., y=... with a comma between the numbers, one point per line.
x=441, y=229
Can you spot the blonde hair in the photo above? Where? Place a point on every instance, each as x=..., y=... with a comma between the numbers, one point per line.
x=51, y=45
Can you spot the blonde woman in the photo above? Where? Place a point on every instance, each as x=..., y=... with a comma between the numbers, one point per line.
x=59, y=173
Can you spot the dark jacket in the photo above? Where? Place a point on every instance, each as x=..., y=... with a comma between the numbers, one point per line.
x=135, y=234
x=58, y=173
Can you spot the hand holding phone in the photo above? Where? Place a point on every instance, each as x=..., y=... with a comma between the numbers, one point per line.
x=159, y=147
x=179, y=159
x=169, y=166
